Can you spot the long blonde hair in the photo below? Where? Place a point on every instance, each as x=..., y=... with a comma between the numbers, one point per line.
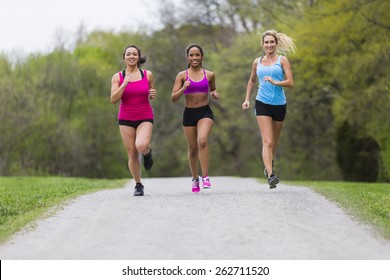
x=284, y=44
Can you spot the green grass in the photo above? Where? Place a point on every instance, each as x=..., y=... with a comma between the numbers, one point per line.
x=24, y=199
x=369, y=203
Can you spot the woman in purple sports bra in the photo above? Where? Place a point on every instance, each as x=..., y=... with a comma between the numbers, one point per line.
x=134, y=88
x=196, y=84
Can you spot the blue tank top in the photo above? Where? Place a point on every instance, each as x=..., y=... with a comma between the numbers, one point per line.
x=269, y=93
x=197, y=87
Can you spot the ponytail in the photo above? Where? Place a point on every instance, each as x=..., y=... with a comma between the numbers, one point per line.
x=284, y=44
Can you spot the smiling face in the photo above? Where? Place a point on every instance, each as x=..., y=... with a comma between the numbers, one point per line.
x=269, y=44
x=131, y=56
x=194, y=56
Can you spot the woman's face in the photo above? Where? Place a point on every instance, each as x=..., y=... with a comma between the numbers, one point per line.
x=269, y=44
x=194, y=57
x=131, y=56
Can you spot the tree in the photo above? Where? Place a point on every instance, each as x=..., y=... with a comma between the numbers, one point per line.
x=345, y=57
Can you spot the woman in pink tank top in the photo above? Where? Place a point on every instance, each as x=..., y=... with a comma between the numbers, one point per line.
x=134, y=88
x=196, y=84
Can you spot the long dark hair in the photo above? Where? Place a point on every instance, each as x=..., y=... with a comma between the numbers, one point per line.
x=142, y=59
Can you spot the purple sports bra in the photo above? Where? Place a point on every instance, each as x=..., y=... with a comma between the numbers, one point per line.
x=197, y=87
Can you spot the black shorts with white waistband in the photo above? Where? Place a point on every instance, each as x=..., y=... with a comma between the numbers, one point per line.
x=276, y=112
x=192, y=116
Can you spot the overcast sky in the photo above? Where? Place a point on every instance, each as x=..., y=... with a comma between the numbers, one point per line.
x=32, y=25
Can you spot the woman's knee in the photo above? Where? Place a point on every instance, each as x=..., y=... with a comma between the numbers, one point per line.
x=132, y=154
x=202, y=142
x=193, y=151
x=268, y=142
x=142, y=147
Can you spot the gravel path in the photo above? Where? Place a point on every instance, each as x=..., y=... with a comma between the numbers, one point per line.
x=239, y=218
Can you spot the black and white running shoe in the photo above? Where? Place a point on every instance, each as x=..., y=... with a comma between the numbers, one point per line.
x=139, y=190
x=273, y=180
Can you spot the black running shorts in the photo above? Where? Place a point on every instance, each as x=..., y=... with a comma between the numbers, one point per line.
x=276, y=112
x=191, y=116
x=134, y=124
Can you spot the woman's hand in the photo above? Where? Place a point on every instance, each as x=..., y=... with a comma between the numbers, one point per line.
x=186, y=84
x=126, y=80
x=152, y=93
x=269, y=79
x=215, y=95
x=245, y=105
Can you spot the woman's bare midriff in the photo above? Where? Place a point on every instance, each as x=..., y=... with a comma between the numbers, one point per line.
x=196, y=100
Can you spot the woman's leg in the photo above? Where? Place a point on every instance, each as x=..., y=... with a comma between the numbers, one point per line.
x=204, y=129
x=144, y=137
x=266, y=129
x=191, y=134
x=276, y=130
x=142, y=143
x=128, y=134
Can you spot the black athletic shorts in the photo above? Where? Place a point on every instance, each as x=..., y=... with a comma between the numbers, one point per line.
x=276, y=112
x=191, y=116
x=134, y=124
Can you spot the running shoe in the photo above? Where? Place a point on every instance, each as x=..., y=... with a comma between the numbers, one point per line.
x=148, y=160
x=195, y=186
x=273, y=180
x=206, y=182
x=139, y=190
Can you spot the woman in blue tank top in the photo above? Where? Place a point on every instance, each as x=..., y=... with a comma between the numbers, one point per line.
x=273, y=73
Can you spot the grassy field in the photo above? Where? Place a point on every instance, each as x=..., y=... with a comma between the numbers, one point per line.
x=369, y=203
x=24, y=199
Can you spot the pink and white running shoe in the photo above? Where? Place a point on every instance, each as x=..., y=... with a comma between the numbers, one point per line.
x=195, y=186
x=206, y=182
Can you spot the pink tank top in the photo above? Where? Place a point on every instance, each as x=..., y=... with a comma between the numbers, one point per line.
x=197, y=87
x=135, y=105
